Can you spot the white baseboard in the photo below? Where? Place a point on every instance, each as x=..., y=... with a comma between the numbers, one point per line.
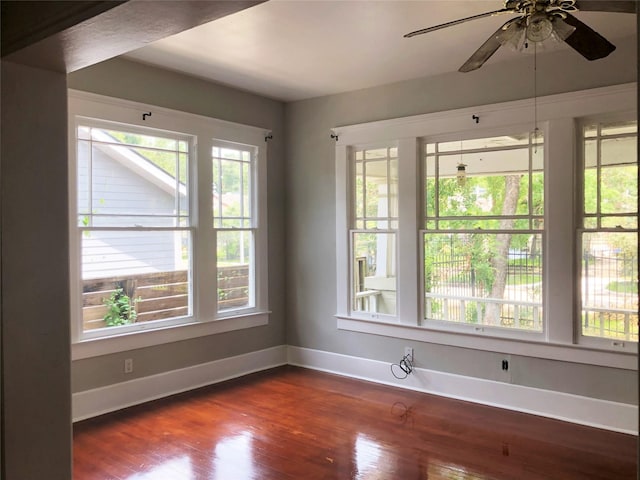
x=98, y=401
x=619, y=417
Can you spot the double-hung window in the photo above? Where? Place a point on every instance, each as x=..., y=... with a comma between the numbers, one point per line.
x=134, y=225
x=608, y=239
x=483, y=242
x=373, y=231
x=168, y=223
x=234, y=222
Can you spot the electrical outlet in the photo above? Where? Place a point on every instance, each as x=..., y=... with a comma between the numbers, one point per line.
x=128, y=365
x=408, y=352
x=505, y=369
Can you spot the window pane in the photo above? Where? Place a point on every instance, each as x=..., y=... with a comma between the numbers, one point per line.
x=376, y=154
x=486, y=177
x=590, y=131
x=484, y=279
x=183, y=175
x=134, y=276
x=217, y=198
x=430, y=196
x=610, y=285
x=83, y=175
x=481, y=195
x=117, y=179
x=611, y=172
x=375, y=187
x=232, y=189
x=235, y=269
x=618, y=222
x=374, y=273
x=619, y=128
x=359, y=190
x=129, y=138
x=246, y=191
x=484, y=143
x=591, y=190
x=138, y=221
x=619, y=189
x=537, y=193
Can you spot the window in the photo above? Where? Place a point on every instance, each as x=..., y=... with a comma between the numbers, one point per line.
x=167, y=224
x=375, y=220
x=609, y=234
x=134, y=225
x=234, y=223
x=463, y=232
x=483, y=243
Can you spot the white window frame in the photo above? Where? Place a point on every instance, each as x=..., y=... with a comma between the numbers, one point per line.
x=557, y=116
x=587, y=340
x=254, y=209
x=354, y=229
x=205, y=320
x=464, y=327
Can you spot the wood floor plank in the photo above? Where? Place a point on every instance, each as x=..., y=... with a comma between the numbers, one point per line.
x=293, y=423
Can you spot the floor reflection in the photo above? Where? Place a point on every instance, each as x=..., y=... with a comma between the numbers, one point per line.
x=173, y=469
x=233, y=458
x=442, y=471
x=368, y=454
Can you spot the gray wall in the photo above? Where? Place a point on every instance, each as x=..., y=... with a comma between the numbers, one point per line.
x=311, y=254
x=35, y=276
x=133, y=81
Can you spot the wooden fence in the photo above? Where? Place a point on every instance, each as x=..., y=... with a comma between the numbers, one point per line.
x=160, y=295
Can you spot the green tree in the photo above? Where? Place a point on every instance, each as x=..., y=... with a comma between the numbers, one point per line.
x=500, y=257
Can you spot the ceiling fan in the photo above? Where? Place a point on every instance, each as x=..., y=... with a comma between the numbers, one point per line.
x=538, y=20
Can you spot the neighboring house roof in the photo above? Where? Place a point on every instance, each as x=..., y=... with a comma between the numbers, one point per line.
x=137, y=163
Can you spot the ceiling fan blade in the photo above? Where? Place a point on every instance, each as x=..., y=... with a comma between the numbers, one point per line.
x=488, y=48
x=586, y=41
x=619, y=6
x=458, y=22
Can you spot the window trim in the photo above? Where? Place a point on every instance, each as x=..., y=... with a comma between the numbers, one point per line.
x=580, y=230
x=355, y=228
x=556, y=113
x=424, y=231
x=205, y=131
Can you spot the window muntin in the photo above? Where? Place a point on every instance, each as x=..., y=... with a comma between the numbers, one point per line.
x=234, y=224
x=373, y=230
x=609, y=234
x=483, y=242
x=133, y=223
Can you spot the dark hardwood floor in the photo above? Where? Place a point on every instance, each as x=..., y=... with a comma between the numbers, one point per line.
x=293, y=423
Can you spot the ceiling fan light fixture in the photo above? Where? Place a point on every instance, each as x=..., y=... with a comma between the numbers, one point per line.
x=539, y=27
x=461, y=174
x=538, y=21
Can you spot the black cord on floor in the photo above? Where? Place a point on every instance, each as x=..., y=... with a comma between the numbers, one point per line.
x=404, y=365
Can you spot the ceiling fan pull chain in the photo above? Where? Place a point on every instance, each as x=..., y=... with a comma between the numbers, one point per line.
x=535, y=97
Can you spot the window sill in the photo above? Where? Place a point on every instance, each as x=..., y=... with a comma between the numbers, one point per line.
x=148, y=338
x=482, y=341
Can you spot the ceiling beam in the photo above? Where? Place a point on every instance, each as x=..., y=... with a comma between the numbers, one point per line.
x=67, y=36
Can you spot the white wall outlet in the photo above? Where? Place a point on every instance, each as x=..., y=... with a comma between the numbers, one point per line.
x=128, y=365
x=408, y=352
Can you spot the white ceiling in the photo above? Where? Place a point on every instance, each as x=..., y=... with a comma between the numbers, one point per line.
x=296, y=49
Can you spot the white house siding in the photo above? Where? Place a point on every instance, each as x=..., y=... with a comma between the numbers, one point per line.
x=117, y=190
